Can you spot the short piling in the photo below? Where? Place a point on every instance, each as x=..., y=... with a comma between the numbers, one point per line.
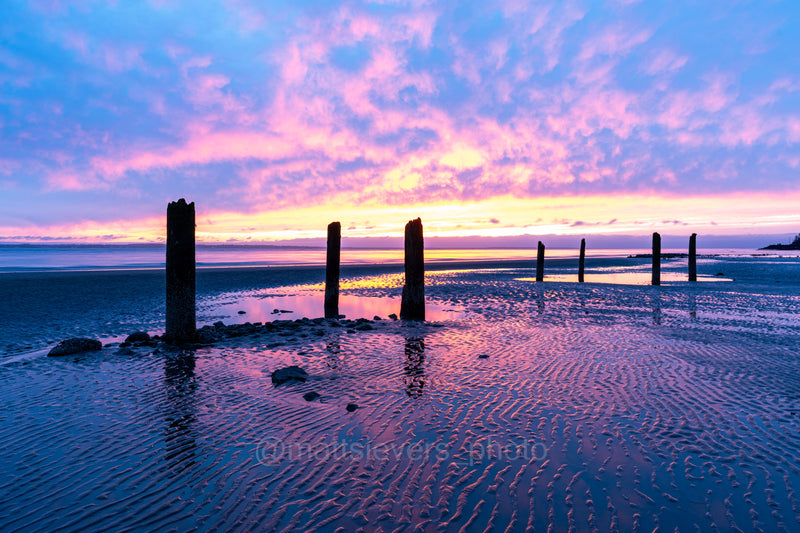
x=693, y=257
x=412, y=306
x=540, y=262
x=656, y=259
x=582, y=261
x=180, y=309
x=332, y=270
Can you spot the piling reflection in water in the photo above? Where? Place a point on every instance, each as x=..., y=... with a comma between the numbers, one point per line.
x=414, y=367
x=539, y=299
x=656, y=305
x=332, y=358
x=692, y=307
x=180, y=412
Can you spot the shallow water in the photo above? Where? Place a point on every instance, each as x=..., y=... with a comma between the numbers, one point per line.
x=599, y=407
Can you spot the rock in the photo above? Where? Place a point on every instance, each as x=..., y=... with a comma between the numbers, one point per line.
x=125, y=351
x=206, y=336
x=351, y=407
x=719, y=274
x=138, y=336
x=75, y=345
x=219, y=324
x=242, y=312
x=290, y=373
x=310, y=396
x=393, y=316
x=376, y=317
x=483, y=356
x=364, y=327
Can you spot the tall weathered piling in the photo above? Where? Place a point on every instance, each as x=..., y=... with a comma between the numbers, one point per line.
x=332, y=270
x=180, y=315
x=656, y=259
x=540, y=262
x=693, y=257
x=582, y=261
x=412, y=306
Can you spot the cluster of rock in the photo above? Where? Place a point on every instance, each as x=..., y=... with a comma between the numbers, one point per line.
x=303, y=327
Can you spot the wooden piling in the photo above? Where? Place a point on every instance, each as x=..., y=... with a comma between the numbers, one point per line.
x=180, y=313
x=656, y=259
x=412, y=306
x=332, y=270
x=540, y=262
x=693, y=257
x=582, y=261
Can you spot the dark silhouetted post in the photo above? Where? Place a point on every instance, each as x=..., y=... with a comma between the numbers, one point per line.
x=656, y=259
x=540, y=262
x=181, y=326
x=412, y=306
x=332, y=270
x=693, y=257
x=582, y=261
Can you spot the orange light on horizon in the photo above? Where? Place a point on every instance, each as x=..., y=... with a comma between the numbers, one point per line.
x=495, y=217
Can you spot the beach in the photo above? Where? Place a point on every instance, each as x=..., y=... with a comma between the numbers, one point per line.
x=610, y=405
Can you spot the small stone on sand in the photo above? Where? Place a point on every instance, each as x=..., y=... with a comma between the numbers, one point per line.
x=290, y=373
x=138, y=336
x=75, y=345
x=351, y=407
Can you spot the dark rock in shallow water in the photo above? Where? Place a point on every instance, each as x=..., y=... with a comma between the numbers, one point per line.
x=206, y=335
x=290, y=373
x=393, y=316
x=138, y=336
x=364, y=327
x=219, y=324
x=376, y=317
x=483, y=356
x=351, y=407
x=310, y=396
x=76, y=345
x=242, y=312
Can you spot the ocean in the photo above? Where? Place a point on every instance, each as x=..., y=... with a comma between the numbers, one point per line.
x=36, y=258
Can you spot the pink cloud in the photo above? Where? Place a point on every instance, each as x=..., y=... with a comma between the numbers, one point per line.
x=615, y=40
x=665, y=61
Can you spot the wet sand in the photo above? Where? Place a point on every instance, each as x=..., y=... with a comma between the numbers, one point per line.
x=594, y=407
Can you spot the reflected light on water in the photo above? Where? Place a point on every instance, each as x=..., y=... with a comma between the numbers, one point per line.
x=310, y=304
x=626, y=278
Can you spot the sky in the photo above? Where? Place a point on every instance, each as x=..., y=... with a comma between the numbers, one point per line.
x=492, y=119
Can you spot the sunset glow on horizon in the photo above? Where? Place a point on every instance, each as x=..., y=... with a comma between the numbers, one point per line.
x=515, y=118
